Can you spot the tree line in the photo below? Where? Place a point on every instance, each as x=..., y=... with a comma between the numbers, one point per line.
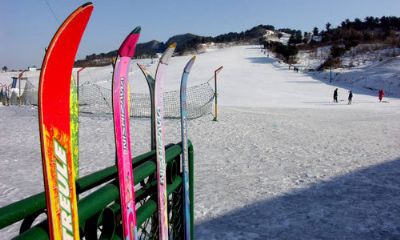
x=345, y=36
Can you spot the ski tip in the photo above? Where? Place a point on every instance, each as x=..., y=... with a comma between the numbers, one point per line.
x=168, y=53
x=141, y=66
x=128, y=46
x=189, y=65
x=145, y=71
x=136, y=30
x=172, y=45
x=86, y=4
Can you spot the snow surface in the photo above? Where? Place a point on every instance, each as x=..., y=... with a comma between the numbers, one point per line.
x=282, y=162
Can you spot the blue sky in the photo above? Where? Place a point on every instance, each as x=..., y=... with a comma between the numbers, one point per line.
x=27, y=26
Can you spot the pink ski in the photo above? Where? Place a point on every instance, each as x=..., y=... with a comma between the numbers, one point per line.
x=160, y=135
x=122, y=134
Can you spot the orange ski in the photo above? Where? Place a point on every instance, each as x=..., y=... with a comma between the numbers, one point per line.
x=55, y=128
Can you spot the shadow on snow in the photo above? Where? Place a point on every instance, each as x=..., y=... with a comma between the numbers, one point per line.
x=260, y=60
x=364, y=204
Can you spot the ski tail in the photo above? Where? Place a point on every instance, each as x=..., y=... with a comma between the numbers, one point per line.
x=55, y=125
x=160, y=136
x=184, y=162
x=120, y=89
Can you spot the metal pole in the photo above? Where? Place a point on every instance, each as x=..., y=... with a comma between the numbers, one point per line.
x=19, y=91
x=216, y=98
x=216, y=94
x=19, y=86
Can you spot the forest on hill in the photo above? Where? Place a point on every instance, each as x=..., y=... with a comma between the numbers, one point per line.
x=342, y=38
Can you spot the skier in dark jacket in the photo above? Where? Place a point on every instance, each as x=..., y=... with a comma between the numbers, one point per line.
x=350, y=96
x=335, y=95
x=380, y=95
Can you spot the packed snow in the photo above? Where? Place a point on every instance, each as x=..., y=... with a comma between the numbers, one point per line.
x=282, y=162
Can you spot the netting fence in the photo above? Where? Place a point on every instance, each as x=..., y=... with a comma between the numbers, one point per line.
x=96, y=99
x=15, y=96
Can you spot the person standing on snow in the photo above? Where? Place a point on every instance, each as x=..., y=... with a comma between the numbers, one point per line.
x=335, y=95
x=350, y=97
x=380, y=95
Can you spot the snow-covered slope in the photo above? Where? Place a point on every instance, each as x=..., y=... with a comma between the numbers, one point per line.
x=366, y=68
x=282, y=162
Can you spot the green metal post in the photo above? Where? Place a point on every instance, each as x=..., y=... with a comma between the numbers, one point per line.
x=93, y=207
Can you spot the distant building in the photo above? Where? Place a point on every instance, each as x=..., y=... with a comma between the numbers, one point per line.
x=32, y=69
x=317, y=38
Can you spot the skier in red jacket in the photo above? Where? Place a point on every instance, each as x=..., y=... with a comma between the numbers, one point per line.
x=380, y=95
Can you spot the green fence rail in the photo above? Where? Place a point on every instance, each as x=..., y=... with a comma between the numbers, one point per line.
x=99, y=208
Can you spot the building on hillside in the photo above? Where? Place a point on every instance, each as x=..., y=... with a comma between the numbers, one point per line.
x=32, y=69
x=317, y=38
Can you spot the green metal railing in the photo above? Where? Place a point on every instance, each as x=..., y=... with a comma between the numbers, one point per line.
x=99, y=210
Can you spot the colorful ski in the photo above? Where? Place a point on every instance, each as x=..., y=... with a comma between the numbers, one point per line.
x=122, y=133
x=185, y=163
x=151, y=83
x=160, y=151
x=54, y=124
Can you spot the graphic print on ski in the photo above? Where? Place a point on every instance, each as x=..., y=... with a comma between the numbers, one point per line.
x=54, y=125
x=74, y=116
x=184, y=162
x=120, y=90
x=160, y=135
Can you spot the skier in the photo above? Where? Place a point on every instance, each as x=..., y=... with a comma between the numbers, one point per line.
x=335, y=95
x=380, y=95
x=350, y=97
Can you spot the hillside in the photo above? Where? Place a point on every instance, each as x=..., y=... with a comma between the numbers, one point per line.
x=186, y=43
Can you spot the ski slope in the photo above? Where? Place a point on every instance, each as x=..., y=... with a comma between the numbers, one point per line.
x=282, y=162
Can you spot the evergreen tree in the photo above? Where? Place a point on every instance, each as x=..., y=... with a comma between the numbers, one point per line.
x=328, y=27
x=315, y=31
